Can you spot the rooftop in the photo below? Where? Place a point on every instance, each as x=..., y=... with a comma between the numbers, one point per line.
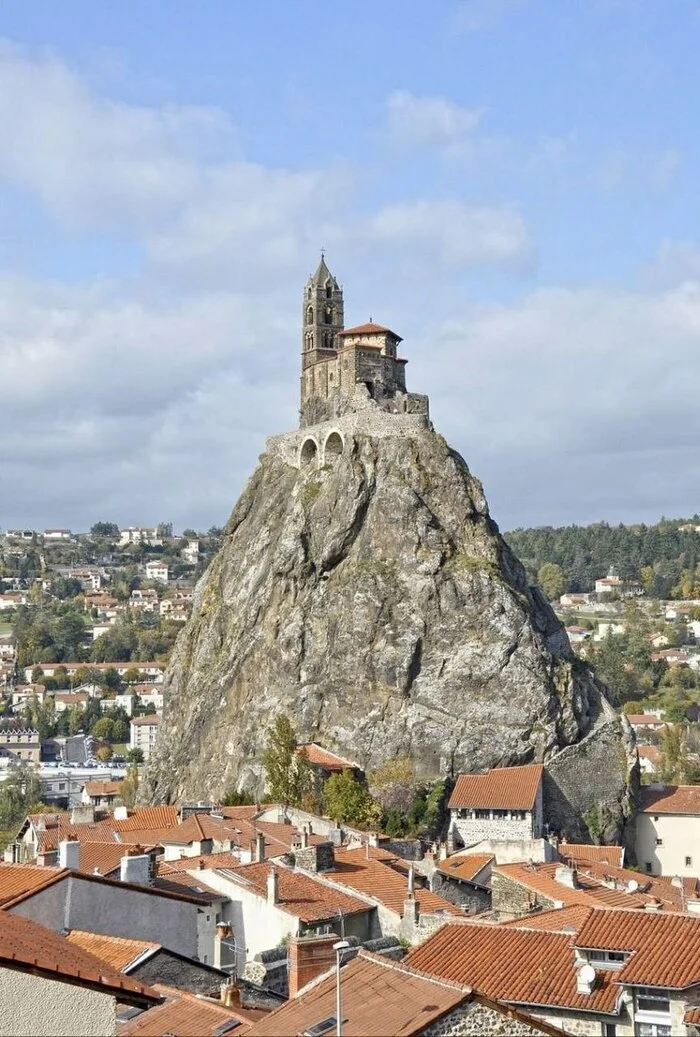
x=614, y=855
x=141, y=721
x=185, y=1015
x=513, y=788
x=383, y=877
x=116, y=951
x=465, y=866
x=370, y=328
x=670, y=799
x=320, y=757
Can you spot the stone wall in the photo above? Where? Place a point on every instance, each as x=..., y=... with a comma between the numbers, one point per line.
x=474, y=829
x=478, y=1019
x=511, y=900
x=463, y=894
x=318, y=857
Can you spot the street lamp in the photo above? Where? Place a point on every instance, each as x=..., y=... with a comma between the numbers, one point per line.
x=339, y=947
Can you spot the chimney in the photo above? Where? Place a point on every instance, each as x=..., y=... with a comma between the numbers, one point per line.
x=411, y=882
x=443, y=851
x=230, y=995
x=566, y=876
x=136, y=868
x=259, y=847
x=120, y=814
x=652, y=905
x=308, y=957
x=304, y=838
x=411, y=910
x=69, y=854
x=273, y=887
x=82, y=814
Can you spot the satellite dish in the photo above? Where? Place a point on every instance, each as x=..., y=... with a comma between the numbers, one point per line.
x=587, y=974
x=677, y=881
x=632, y=886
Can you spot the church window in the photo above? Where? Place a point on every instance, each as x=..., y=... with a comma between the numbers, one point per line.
x=329, y=290
x=328, y=315
x=310, y=315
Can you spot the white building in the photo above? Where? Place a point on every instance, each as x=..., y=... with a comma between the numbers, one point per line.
x=140, y=535
x=190, y=553
x=144, y=732
x=505, y=804
x=157, y=571
x=57, y=534
x=668, y=830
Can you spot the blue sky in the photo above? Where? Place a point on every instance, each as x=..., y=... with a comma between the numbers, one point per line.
x=511, y=184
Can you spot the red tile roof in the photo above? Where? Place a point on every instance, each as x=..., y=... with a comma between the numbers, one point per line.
x=465, y=866
x=383, y=877
x=645, y=719
x=320, y=757
x=115, y=950
x=520, y=966
x=614, y=855
x=513, y=788
x=370, y=328
x=27, y=946
x=183, y=1014
x=103, y=788
x=151, y=721
x=559, y=920
x=664, y=948
x=672, y=799
x=600, y=884
x=206, y=860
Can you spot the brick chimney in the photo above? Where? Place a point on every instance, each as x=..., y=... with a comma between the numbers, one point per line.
x=308, y=957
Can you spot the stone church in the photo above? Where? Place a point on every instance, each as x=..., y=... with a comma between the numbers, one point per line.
x=345, y=369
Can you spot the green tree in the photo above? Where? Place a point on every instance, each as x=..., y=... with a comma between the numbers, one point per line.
x=103, y=729
x=134, y=756
x=20, y=790
x=346, y=800
x=393, y=786
x=105, y=529
x=287, y=771
x=129, y=788
x=552, y=580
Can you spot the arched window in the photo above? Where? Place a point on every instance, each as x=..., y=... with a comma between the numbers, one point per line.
x=328, y=315
x=309, y=340
x=310, y=315
x=329, y=290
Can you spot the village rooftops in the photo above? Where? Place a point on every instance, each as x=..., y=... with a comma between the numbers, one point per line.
x=645, y=720
x=29, y=947
x=670, y=799
x=375, y=873
x=614, y=855
x=379, y=997
x=120, y=953
x=466, y=867
x=182, y=1014
x=507, y=788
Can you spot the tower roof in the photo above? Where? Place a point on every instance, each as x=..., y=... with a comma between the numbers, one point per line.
x=369, y=329
x=322, y=273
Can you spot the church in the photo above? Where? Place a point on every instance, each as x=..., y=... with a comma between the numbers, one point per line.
x=346, y=369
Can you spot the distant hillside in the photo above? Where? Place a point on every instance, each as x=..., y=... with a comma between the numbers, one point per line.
x=664, y=557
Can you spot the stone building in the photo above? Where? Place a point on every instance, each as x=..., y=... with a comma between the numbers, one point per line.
x=338, y=363
x=503, y=805
x=20, y=744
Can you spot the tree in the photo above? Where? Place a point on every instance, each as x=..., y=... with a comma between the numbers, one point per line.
x=346, y=800
x=134, y=756
x=20, y=790
x=287, y=771
x=392, y=785
x=105, y=529
x=104, y=753
x=129, y=787
x=103, y=729
x=552, y=580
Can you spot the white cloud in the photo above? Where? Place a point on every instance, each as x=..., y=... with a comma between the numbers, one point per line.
x=428, y=121
x=476, y=15
x=675, y=263
x=452, y=233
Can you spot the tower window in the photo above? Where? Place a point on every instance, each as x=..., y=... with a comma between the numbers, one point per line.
x=310, y=315
x=329, y=290
x=328, y=315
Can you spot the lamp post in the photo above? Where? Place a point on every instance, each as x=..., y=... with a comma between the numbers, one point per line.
x=339, y=947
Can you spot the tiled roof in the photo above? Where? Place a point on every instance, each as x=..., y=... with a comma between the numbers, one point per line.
x=103, y=788
x=103, y=856
x=151, y=721
x=381, y=876
x=116, y=951
x=183, y=1014
x=599, y=884
x=513, y=788
x=320, y=757
x=465, y=866
x=650, y=753
x=692, y=1016
x=672, y=799
x=614, y=855
x=17, y=879
x=646, y=719
x=370, y=328
x=300, y=893
x=559, y=920
x=521, y=966
x=379, y=997
x=183, y=882
x=148, y=817
x=26, y=945
x=665, y=946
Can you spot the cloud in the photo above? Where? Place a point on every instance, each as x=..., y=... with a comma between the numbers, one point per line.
x=675, y=262
x=419, y=122
x=624, y=168
x=452, y=233
x=478, y=15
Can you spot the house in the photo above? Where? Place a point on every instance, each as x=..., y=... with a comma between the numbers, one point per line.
x=672, y=656
x=140, y=535
x=24, y=693
x=144, y=599
x=569, y=600
x=190, y=552
x=578, y=634
x=49, y=987
x=505, y=804
x=157, y=570
x=143, y=734
x=20, y=744
x=612, y=584
x=605, y=630
x=657, y=639
x=596, y=971
x=101, y=793
x=644, y=723
x=380, y=996
x=465, y=879
x=57, y=534
x=588, y=853
x=325, y=763
x=176, y=611
x=182, y=1014
x=70, y=700
x=12, y=600
x=152, y=670
x=667, y=840
x=650, y=759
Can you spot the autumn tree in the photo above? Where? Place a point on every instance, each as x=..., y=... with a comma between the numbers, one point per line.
x=287, y=770
x=552, y=579
x=392, y=785
x=129, y=788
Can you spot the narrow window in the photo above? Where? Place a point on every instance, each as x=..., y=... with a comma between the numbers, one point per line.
x=689, y=862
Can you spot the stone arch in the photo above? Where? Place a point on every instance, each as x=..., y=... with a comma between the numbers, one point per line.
x=308, y=453
x=333, y=447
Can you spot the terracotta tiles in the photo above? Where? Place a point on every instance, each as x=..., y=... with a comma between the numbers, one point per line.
x=103, y=788
x=25, y=943
x=184, y=1015
x=596, y=884
x=673, y=799
x=320, y=757
x=466, y=866
x=103, y=857
x=207, y=860
x=381, y=877
x=560, y=920
x=521, y=966
x=505, y=788
x=117, y=952
x=665, y=946
x=614, y=855
x=17, y=879
x=366, y=329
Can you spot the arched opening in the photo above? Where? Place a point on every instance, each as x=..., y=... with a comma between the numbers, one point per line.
x=333, y=447
x=308, y=453
x=328, y=315
x=310, y=315
x=329, y=290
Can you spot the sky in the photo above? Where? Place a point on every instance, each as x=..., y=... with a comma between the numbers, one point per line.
x=512, y=185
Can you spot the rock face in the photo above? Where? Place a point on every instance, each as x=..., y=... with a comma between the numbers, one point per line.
x=373, y=600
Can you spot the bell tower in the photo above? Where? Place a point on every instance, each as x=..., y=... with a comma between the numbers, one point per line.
x=322, y=316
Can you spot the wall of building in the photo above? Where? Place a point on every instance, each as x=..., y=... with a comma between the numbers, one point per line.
x=511, y=900
x=114, y=910
x=31, y=1004
x=475, y=829
x=680, y=838
x=463, y=894
x=475, y=1018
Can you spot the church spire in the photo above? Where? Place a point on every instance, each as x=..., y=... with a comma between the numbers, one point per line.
x=322, y=274
x=322, y=315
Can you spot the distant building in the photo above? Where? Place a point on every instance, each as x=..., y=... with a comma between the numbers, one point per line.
x=20, y=744
x=503, y=804
x=612, y=584
x=140, y=535
x=144, y=732
x=101, y=793
x=190, y=553
x=157, y=571
x=57, y=534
